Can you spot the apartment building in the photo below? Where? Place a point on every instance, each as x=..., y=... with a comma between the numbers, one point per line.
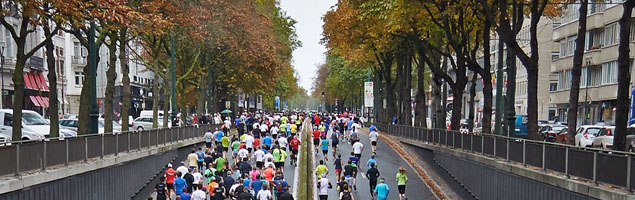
x=598, y=82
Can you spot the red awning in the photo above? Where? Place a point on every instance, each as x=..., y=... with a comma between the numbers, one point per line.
x=34, y=83
x=42, y=102
x=45, y=100
x=35, y=101
x=27, y=81
x=43, y=81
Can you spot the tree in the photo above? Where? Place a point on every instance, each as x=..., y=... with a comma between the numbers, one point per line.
x=30, y=15
x=574, y=92
x=623, y=77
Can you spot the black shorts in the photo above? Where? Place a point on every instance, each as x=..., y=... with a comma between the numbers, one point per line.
x=225, y=149
x=208, y=144
x=334, y=143
x=359, y=156
x=325, y=151
x=316, y=142
x=402, y=189
x=259, y=164
x=294, y=151
x=249, y=149
x=324, y=197
x=374, y=143
x=278, y=164
x=170, y=186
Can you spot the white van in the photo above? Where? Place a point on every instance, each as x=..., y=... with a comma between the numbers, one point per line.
x=148, y=113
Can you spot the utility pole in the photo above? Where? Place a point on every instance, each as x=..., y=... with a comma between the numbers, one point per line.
x=173, y=85
x=94, y=111
x=499, y=91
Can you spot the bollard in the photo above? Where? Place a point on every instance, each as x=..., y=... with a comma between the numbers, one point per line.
x=472, y=143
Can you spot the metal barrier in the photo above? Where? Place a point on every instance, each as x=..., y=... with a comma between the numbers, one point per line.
x=597, y=165
x=26, y=156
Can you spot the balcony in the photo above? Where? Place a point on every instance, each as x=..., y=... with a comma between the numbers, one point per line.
x=35, y=62
x=77, y=60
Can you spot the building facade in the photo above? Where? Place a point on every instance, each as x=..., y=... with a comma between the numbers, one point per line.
x=598, y=81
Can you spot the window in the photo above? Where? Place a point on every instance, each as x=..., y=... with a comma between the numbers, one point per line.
x=596, y=6
x=563, y=48
x=583, y=77
x=595, y=76
x=594, y=39
x=609, y=72
x=611, y=34
x=564, y=80
x=79, y=78
x=555, y=55
x=632, y=36
x=76, y=50
x=553, y=86
x=135, y=79
x=571, y=45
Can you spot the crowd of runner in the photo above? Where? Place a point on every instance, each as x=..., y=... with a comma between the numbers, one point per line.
x=332, y=130
x=245, y=164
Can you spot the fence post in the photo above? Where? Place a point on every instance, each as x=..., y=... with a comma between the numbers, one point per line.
x=494, y=138
x=139, y=141
x=628, y=172
x=483, y=145
x=507, y=149
x=67, y=155
x=595, y=165
x=44, y=156
x=462, y=148
x=472, y=143
x=117, y=143
x=165, y=136
x=453, y=139
x=544, y=167
x=85, y=149
x=102, y=145
x=149, y=138
x=17, y=159
x=157, y=144
x=129, y=141
x=446, y=137
x=566, y=161
x=524, y=153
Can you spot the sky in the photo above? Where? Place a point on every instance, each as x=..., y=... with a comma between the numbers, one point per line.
x=308, y=14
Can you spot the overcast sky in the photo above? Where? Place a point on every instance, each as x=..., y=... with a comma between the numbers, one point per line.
x=309, y=14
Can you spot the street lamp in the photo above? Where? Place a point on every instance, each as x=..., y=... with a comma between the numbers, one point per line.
x=322, y=103
x=2, y=74
x=586, y=90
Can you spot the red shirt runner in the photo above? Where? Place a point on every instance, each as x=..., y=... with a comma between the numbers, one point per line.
x=170, y=174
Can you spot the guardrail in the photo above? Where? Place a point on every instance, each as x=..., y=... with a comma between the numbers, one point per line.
x=19, y=157
x=596, y=165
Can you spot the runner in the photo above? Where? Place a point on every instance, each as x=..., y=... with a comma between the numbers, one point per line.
x=323, y=185
x=350, y=172
x=295, y=145
x=382, y=190
x=358, y=147
x=208, y=138
x=402, y=179
x=316, y=138
x=338, y=166
x=325, y=148
x=170, y=175
x=374, y=136
x=372, y=161
x=259, y=156
x=372, y=174
x=161, y=189
x=335, y=140
x=321, y=170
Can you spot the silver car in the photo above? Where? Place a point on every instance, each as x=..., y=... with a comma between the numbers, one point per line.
x=145, y=123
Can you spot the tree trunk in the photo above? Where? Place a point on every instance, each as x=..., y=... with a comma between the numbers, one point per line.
x=111, y=75
x=500, y=103
x=202, y=96
x=166, y=103
x=83, y=127
x=407, y=96
x=52, y=76
x=421, y=110
x=487, y=81
x=18, y=94
x=125, y=79
x=444, y=96
x=457, y=105
x=472, y=96
x=576, y=71
x=437, y=121
x=510, y=98
x=623, y=77
x=155, y=101
x=377, y=97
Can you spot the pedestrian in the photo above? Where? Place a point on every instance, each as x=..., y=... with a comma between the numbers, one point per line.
x=198, y=179
x=185, y=195
x=382, y=190
x=350, y=172
x=346, y=194
x=254, y=173
x=179, y=184
x=259, y=156
x=208, y=138
x=295, y=145
x=199, y=194
x=201, y=158
x=225, y=142
x=402, y=179
x=256, y=185
x=192, y=159
x=183, y=169
x=325, y=148
x=245, y=195
x=321, y=170
x=218, y=192
x=323, y=185
x=269, y=173
x=335, y=140
x=228, y=181
x=316, y=138
x=170, y=175
x=358, y=147
x=338, y=166
x=285, y=195
x=161, y=189
x=374, y=136
x=189, y=180
x=372, y=174
x=264, y=194
x=372, y=160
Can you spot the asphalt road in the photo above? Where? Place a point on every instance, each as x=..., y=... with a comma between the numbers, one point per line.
x=388, y=162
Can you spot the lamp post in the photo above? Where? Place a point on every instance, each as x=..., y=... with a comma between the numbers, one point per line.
x=173, y=79
x=322, y=103
x=586, y=90
x=94, y=110
x=2, y=75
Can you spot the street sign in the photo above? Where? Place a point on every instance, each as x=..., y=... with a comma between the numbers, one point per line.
x=259, y=102
x=368, y=94
x=241, y=100
x=277, y=102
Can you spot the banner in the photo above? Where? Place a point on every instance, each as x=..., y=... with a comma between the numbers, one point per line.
x=241, y=100
x=277, y=102
x=368, y=94
x=259, y=102
x=252, y=101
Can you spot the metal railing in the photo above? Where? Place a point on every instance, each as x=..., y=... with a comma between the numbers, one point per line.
x=592, y=164
x=27, y=156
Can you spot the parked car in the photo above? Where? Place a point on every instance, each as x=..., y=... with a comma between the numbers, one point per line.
x=145, y=123
x=72, y=124
x=561, y=136
x=586, y=134
x=604, y=138
x=552, y=134
x=130, y=121
x=34, y=126
x=630, y=138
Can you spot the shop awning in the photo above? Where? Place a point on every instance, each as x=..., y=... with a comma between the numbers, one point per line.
x=42, y=102
x=27, y=81
x=35, y=101
x=41, y=81
x=45, y=100
x=34, y=82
